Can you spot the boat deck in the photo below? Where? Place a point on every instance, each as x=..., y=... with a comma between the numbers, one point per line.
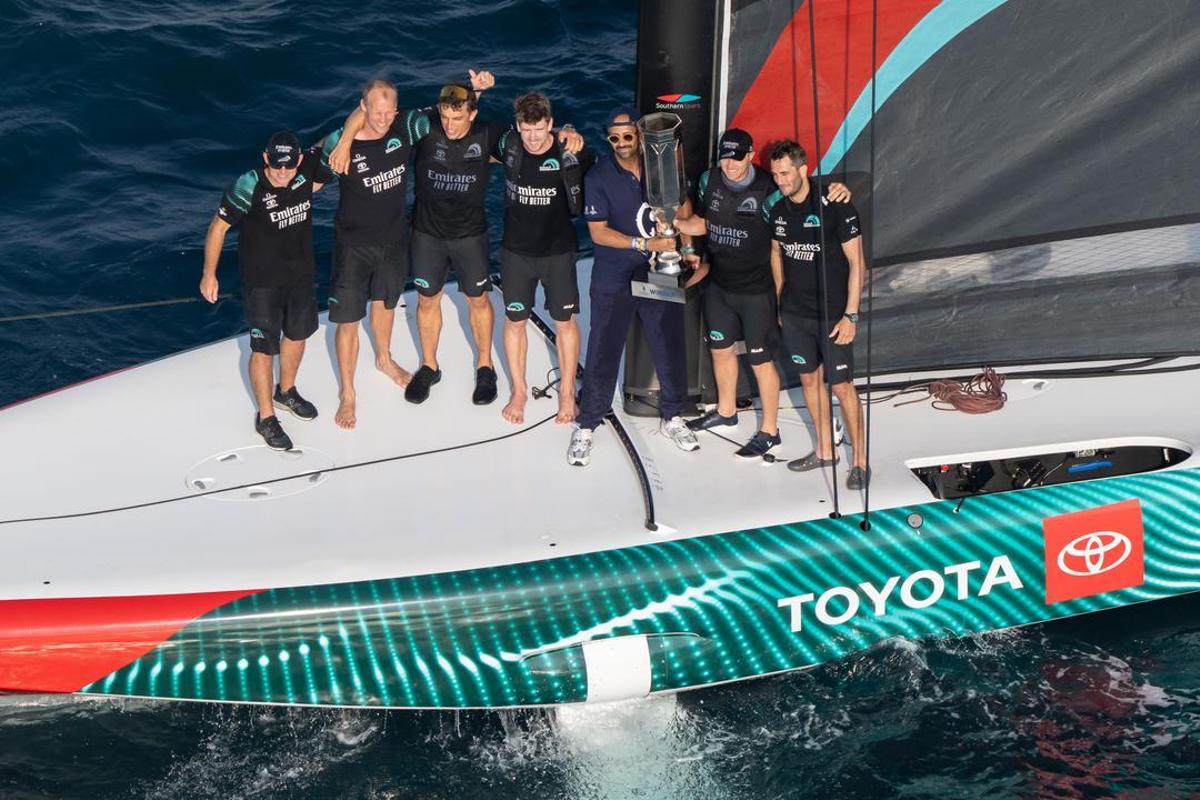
x=419, y=489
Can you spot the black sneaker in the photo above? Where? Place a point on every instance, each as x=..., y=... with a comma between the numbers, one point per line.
x=485, y=386
x=272, y=433
x=758, y=445
x=711, y=420
x=293, y=402
x=417, y=390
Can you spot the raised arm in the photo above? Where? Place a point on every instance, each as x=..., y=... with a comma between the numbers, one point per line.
x=481, y=81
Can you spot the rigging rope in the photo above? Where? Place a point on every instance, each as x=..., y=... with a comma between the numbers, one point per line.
x=868, y=254
x=819, y=179
x=72, y=312
x=977, y=395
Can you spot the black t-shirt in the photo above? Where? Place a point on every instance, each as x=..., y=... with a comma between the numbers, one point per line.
x=371, y=199
x=738, y=236
x=275, y=244
x=452, y=177
x=801, y=236
x=537, y=221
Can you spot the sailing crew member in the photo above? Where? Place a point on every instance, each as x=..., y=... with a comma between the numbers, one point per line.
x=272, y=205
x=739, y=302
x=623, y=232
x=450, y=231
x=543, y=191
x=452, y=168
x=818, y=301
x=370, y=246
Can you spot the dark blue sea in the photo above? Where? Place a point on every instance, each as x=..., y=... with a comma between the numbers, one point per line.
x=121, y=124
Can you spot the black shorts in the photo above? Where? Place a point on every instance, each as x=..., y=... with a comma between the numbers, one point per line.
x=807, y=347
x=730, y=317
x=365, y=272
x=521, y=274
x=272, y=311
x=432, y=257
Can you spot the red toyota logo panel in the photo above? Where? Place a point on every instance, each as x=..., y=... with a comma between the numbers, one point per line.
x=1094, y=551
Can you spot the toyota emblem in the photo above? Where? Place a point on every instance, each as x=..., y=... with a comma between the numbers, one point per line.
x=1094, y=553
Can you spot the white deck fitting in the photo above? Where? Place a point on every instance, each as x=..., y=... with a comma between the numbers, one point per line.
x=139, y=436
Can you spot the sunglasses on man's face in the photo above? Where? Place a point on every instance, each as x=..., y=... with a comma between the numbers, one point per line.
x=622, y=138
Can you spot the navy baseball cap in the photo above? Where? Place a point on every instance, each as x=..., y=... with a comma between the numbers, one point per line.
x=735, y=143
x=283, y=150
x=621, y=111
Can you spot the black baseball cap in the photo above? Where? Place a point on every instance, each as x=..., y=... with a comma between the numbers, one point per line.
x=283, y=150
x=621, y=111
x=735, y=143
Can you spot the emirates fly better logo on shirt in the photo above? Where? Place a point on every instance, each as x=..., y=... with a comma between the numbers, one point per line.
x=1094, y=551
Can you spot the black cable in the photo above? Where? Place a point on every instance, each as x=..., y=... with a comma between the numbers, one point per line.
x=622, y=435
x=820, y=196
x=72, y=312
x=868, y=256
x=356, y=465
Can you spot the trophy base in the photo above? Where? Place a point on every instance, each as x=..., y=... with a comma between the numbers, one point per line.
x=662, y=286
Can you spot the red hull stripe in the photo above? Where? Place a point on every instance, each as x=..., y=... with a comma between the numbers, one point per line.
x=62, y=645
x=779, y=104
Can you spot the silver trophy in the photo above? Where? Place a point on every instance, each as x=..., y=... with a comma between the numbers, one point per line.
x=666, y=182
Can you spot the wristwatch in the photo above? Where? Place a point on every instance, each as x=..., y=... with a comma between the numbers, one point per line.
x=852, y=317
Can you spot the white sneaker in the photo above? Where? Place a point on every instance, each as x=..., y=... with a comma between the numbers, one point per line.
x=839, y=433
x=679, y=433
x=579, y=453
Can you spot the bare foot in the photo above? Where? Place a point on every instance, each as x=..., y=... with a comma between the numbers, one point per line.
x=514, y=412
x=398, y=374
x=345, y=414
x=566, y=409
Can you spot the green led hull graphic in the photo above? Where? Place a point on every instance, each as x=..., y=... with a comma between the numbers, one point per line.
x=714, y=608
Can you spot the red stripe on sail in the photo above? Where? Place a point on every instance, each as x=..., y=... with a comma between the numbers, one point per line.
x=779, y=104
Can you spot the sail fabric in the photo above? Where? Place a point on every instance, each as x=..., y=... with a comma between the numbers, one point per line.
x=1037, y=165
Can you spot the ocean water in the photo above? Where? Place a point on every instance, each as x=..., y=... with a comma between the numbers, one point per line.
x=120, y=125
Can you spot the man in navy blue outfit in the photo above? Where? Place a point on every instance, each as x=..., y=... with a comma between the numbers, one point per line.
x=624, y=233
